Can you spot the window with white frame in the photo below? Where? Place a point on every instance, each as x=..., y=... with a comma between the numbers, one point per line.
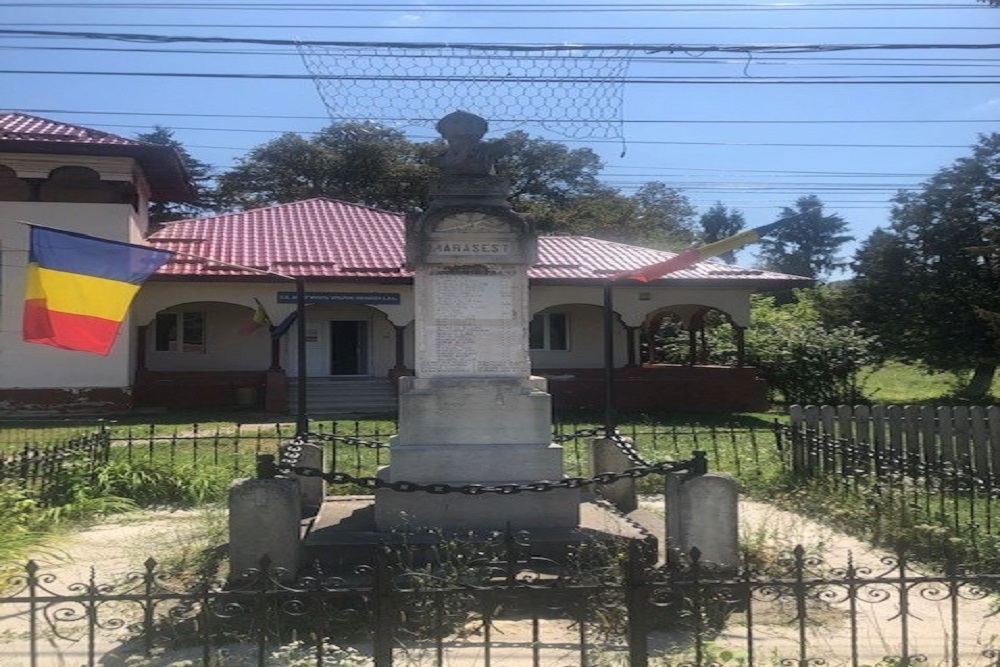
x=180, y=332
x=549, y=331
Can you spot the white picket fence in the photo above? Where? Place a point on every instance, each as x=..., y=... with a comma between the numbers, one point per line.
x=967, y=435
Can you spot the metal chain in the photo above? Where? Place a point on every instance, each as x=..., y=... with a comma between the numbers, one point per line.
x=624, y=444
x=350, y=439
x=267, y=468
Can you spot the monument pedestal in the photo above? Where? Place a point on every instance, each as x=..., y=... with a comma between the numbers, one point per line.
x=486, y=431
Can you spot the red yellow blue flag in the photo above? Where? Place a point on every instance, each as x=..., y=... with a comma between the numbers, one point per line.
x=694, y=255
x=78, y=288
x=258, y=320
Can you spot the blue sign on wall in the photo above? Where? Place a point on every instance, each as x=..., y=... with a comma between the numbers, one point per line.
x=330, y=298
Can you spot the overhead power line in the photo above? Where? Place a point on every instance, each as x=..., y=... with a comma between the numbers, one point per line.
x=638, y=48
x=664, y=121
x=501, y=7
x=692, y=80
x=548, y=28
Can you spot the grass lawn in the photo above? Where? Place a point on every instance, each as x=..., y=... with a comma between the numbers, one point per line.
x=904, y=384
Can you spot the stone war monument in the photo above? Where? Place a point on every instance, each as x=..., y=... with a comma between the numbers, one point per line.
x=472, y=413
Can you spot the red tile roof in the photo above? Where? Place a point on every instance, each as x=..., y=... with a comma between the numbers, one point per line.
x=168, y=178
x=23, y=127
x=326, y=238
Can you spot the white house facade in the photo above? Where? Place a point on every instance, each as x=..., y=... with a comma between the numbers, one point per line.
x=186, y=342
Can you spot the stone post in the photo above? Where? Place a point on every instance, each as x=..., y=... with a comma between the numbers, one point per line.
x=607, y=456
x=312, y=490
x=703, y=512
x=264, y=516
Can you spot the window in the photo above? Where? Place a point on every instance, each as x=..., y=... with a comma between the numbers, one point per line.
x=549, y=331
x=180, y=332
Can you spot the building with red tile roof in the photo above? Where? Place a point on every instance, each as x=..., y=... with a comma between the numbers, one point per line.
x=187, y=343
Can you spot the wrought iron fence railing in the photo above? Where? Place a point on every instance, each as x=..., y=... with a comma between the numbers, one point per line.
x=495, y=603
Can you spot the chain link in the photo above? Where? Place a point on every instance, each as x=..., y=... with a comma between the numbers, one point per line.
x=292, y=452
x=441, y=488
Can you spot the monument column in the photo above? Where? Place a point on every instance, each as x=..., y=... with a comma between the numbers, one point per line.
x=472, y=414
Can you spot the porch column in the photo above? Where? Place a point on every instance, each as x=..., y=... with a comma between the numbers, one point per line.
x=692, y=347
x=275, y=354
x=740, y=334
x=400, y=347
x=631, y=346
x=141, y=335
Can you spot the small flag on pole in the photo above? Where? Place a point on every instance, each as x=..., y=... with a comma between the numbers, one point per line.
x=280, y=329
x=695, y=255
x=259, y=319
x=78, y=288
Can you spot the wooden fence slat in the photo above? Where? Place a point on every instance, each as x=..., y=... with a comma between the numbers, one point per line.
x=911, y=438
x=828, y=420
x=946, y=434
x=863, y=425
x=979, y=443
x=894, y=422
x=993, y=417
x=928, y=434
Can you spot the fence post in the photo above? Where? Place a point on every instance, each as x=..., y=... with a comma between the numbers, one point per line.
x=383, y=603
x=637, y=604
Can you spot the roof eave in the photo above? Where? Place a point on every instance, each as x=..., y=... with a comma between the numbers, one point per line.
x=168, y=177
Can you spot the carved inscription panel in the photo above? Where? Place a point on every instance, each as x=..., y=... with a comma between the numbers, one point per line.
x=472, y=324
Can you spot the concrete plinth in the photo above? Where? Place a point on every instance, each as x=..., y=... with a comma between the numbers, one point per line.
x=344, y=535
x=464, y=430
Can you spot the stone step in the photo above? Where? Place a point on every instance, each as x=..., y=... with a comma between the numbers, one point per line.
x=345, y=396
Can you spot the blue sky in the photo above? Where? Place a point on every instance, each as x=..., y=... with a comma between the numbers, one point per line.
x=880, y=120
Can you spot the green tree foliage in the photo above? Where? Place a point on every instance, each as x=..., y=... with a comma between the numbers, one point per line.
x=804, y=360
x=360, y=162
x=365, y=163
x=655, y=216
x=808, y=244
x=720, y=222
x=928, y=285
x=200, y=173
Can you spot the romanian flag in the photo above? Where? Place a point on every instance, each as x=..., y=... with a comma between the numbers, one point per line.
x=695, y=255
x=258, y=320
x=79, y=288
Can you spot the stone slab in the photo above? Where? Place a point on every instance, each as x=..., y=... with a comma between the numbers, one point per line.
x=345, y=535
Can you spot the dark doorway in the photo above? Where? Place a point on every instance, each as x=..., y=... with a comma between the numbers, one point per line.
x=348, y=347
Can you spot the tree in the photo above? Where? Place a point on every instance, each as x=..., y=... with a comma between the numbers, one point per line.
x=928, y=286
x=655, y=216
x=360, y=162
x=201, y=177
x=808, y=245
x=718, y=223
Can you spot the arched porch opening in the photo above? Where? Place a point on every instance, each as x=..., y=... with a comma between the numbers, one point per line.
x=692, y=335
x=203, y=354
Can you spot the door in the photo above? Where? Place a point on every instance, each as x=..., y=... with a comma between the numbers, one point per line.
x=348, y=347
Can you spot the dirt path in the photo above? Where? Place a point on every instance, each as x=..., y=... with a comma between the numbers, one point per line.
x=108, y=552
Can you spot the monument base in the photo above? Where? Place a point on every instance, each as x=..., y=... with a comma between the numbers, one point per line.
x=460, y=431
x=344, y=535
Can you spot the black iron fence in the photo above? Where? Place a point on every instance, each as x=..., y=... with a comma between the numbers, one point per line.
x=952, y=497
x=493, y=603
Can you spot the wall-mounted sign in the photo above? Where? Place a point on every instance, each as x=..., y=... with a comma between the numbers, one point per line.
x=331, y=298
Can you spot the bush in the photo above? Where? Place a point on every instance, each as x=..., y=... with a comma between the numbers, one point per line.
x=803, y=359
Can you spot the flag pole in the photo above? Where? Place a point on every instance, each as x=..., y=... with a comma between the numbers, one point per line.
x=301, y=418
x=610, y=417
